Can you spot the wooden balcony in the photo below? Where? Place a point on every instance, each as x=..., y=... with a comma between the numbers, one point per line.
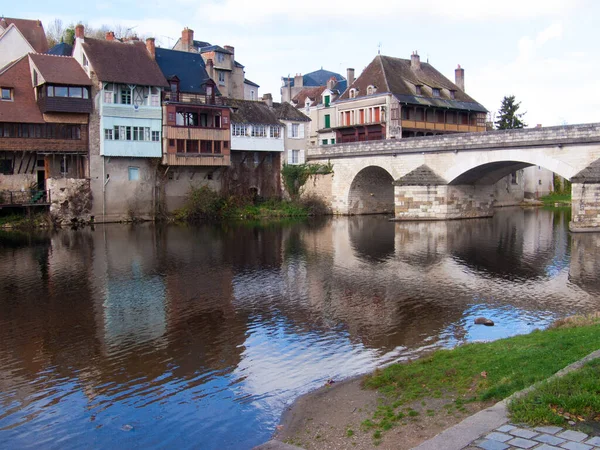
x=195, y=159
x=434, y=126
x=198, y=133
x=65, y=105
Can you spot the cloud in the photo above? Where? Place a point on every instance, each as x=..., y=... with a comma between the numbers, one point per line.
x=527, y=45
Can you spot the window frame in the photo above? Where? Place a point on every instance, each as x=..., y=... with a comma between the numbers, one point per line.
x=8, y=90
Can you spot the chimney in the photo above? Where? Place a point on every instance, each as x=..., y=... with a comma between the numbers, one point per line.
x=3, y=23
x=39, y=23
x=268, y=99
x=79, y=31
x=187, y=39
x=210, y=68
x=415, y=61
x=231, y=49
x=350, y=76
x=110, y=36
x=151, y=46
x=459, y=78
x=298, y=80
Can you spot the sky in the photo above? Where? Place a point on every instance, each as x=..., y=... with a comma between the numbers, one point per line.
x=545, y=52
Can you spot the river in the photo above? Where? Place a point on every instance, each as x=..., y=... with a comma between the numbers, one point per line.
x=198, y=337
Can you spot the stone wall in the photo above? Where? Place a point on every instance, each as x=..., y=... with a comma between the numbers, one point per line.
x=71, y=198
x=178, y=181
x=319, y=186
x=585, y=213
x=443, y=202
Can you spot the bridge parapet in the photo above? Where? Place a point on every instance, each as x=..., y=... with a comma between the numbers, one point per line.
x=528, y=137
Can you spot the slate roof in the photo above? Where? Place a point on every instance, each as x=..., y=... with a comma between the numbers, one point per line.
x=591, y=174
x=421, y=176
x=200, y=44
x=285, y=111
x=395, y=75
x=61, y=49
x=60, y=69
x=248, y=111
x=128, y=63
x=317, y=78
x=24, y=107
x=214, y=48
x=251, y=83
x=189, y=67
x=33, y=31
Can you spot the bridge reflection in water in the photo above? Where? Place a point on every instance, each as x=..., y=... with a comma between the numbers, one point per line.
x=200, y=336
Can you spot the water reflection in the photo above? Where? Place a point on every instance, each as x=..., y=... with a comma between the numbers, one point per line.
x=152, y=337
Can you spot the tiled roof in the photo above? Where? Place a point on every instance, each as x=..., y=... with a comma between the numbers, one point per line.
x=248, y=111
x=421, y=176
x=189, y=67
x=285, y=111
x=251, y=83
x=61, y=49
x=119, y=62
x=23, y=108
x=312, y=93
x=395, y=75
x=60, y=69
x=33, y=31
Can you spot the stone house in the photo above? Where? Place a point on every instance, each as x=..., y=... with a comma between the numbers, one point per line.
x=221, y=66
x=291, y=86
x=19, y=37
x=296, y=131
x=196, y=127
x=44, y=114
x=125, y=127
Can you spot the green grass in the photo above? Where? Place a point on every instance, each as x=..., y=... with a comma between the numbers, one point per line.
x=553, y=198
x=572, y=397
x=481, y=371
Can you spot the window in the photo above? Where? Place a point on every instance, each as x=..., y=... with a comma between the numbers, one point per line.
x=252, y=95
x=295, y=156
x=259, y=131
x=513, y=178
x=222, y=78
x=295, y=128
x=453, y=94
x=108, y=134
x=332, y=141
x=138, y=133
x=435, y=92
x=171, y=142
x=35, y=77
x=187, y=118
x=85, y=61
x=327, y=121
x=75, y=92
x=220, y=57
x=156, y=136
x=125, y=95
x=324, y=142
x=64, y=166
x=327, y=100
x=352, y=93
x=239, y=129
x=109, y=94
x=7, y=94
x=134, y=173
x=6, y=167
x=180, y=146
x=217, y=146
x=418, y=89
x=191, y=146
x=217, y=121
x=370, y=90
x=275, y=132
x=154, y=96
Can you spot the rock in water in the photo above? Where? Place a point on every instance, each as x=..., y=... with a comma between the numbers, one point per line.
x=484, y=321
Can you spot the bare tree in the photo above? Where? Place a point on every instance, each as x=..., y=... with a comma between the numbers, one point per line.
x=55, y=32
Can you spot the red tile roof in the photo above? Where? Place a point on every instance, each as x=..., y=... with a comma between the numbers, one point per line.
x=33, y=31
x=60, y=70
x=128, y=63
x=313, y=94
x=23, y=108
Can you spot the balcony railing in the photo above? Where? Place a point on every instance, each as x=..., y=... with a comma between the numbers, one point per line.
x=196, y=159
x=24, y=198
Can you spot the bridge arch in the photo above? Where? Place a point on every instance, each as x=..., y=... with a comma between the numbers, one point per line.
x=371, y=192
x=473, y=169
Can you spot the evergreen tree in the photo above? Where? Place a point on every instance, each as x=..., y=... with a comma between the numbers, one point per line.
x=508, y=116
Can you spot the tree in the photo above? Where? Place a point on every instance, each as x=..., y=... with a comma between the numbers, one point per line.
x=507, y=114
x=55, y=32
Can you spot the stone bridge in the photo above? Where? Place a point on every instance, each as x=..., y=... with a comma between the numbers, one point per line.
x=453, y=176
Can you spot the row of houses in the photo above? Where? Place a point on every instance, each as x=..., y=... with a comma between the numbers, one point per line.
x=123, y=129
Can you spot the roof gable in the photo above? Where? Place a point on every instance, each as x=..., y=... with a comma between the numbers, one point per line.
x=313, y=94
x=60, y=69
x=285, y=111
x=33, y=31
x=24, y=107
x=118, y=62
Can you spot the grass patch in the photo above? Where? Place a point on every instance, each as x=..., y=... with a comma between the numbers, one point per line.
x=553, y=198
x=483, y=371
x=573, y=397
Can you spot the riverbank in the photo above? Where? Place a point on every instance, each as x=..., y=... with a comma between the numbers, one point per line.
x=406, y=404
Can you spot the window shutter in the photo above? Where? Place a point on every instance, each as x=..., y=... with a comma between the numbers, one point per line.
x=301, y=131
x=290, y=156
x=289, y=130
x=301, y=157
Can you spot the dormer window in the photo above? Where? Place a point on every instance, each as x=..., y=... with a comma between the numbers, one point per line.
x=7, y=94
x=435, y=92
x=327, y=100
x=371, y=90
x=220, y=57
x=352, y=93
x=452, y=94
x=418, y=89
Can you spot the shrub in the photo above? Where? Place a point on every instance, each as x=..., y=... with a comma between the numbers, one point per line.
x=203, y=204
